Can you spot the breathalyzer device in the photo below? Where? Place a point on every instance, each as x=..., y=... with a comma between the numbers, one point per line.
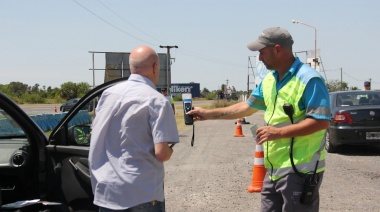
x=187, y=105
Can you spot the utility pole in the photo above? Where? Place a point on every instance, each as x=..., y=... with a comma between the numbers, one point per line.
x=167, y=65
x=93, y=71
x=341, y=80
x=250, y=66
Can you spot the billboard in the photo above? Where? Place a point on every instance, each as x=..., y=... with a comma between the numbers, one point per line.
x=180, y=88
x=117, y=66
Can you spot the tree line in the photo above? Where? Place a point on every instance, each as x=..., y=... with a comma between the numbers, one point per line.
x=22, y=93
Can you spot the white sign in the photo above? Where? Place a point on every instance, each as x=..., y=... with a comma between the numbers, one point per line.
x=260, y=72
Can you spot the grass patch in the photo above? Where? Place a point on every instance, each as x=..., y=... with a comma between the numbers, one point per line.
x=222, y=103
x=179, y=118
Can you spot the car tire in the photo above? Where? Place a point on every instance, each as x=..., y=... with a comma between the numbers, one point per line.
x=330, y=148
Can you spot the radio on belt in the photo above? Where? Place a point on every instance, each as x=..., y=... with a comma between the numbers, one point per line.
x=187, y=106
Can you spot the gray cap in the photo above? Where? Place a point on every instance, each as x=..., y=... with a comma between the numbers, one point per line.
x=271, y=36
x=367, y=83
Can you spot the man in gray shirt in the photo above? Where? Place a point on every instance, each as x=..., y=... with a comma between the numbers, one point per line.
x=131, y=132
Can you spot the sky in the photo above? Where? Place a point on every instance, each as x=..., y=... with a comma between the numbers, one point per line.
x=48, y=42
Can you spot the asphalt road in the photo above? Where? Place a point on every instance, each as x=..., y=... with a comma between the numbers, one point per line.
x=35, y=109
x=213, y=175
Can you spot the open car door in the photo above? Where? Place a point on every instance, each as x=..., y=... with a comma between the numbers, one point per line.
x=25, y=167
x=50, y=173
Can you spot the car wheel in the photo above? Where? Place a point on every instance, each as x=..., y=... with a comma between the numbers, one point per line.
x=330, y=148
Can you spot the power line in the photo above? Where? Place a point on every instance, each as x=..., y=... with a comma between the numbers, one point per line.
x=351, y=77
x=338, y=69
x=129, y=22
x=186, y=52
x=359, y=80
x=112, y=24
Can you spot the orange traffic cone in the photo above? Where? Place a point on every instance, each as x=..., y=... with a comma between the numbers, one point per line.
x=258, y=170
x=239, y=129
x=55, y=109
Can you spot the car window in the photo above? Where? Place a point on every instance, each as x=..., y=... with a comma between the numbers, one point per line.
x=79, y=125
x=9, y=127
x=355, y=99
x=79, y=128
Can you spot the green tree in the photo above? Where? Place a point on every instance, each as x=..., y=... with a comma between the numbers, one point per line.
x=35, y=88
x=204, y=92
x=83, y=88
x=4, y=89
x=336, y=85
x=223, y=88
x=70, y=90
x=52, y=92
x=17, y=89
x=354, y=88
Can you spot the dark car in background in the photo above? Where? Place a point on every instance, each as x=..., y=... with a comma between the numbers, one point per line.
x=68, y=105
x=46, y=173
x=71, y=102
x=355, y=119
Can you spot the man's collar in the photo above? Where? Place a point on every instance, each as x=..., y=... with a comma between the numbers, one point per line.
x=140, y=78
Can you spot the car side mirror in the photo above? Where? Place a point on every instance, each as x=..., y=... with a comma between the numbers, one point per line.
x=80, y=134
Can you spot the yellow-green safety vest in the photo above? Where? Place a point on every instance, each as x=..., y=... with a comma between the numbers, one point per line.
x=307, y=150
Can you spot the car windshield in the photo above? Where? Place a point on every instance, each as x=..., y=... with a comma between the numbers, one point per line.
x=354, y=99
x=8, y=126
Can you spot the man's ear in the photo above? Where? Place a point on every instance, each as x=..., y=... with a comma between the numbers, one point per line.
x=278, y=48
x=155, y=67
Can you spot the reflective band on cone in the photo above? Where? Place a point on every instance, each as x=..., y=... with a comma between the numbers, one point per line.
x=259, y=171
x=239, y=129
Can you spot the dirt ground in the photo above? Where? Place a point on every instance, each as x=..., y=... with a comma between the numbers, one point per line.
x=213, y=175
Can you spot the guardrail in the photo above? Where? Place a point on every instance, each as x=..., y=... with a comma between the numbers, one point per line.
x=46, y=122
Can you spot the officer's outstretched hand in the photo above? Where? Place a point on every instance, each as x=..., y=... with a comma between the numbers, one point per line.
x=199, y=114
